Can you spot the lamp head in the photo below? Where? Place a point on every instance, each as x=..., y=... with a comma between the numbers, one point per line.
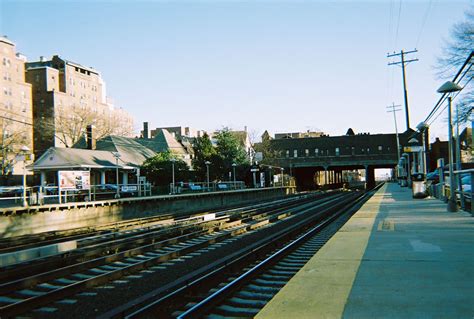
x=422, y=126
x=449, y=87
x=25, y=149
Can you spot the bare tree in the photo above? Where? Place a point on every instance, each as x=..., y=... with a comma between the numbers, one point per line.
x=13, y=136
x=455, y=53
x=71, y=124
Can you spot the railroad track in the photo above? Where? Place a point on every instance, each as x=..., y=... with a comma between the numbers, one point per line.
x=50, y=281
x=243, y=285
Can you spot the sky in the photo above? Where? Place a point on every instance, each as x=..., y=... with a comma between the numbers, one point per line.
x=266, y=65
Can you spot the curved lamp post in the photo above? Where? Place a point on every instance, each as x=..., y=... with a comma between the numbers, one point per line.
x=207, y=173
x=117, y=156
x=446, y=88
x=422, y=127
x=173, y=160
x=24, y=151
x=233, y=167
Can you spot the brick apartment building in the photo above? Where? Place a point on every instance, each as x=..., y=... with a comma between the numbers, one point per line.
x=68, y=96
x=15, y=109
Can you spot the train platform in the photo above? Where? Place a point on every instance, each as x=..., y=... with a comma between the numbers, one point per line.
x=397, y=257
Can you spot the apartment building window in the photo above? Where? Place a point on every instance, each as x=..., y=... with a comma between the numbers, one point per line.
x=4, y=61
x=5, y=90
x=295, y=153
x=337, y=151
x=287, y=153
x=316, y=152
x=306, y=152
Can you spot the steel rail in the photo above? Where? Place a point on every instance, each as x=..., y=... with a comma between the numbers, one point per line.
x=200, y=275
x=209, y=302
x=33, y=302
x=114, y=244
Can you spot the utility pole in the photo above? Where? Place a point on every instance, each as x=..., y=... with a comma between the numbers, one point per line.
x=395, y=108
x=403, y=62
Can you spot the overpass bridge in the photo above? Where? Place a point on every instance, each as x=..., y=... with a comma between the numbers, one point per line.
x=316, y=161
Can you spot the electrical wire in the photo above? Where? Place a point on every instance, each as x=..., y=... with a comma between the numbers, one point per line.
x=425, y=17
x=398, y=22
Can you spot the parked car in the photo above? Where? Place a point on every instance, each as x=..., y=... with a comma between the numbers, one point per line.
x=466, y=183
x=11, y=191
x=433, y=177
x=50, y=189
x=125, y=190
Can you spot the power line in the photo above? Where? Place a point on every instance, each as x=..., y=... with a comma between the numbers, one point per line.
x=403, y=62
x=398, y=22
x=425, y=16
x=395, y=108
x=460, y=74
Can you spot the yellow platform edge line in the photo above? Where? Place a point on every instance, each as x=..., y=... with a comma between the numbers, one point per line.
x=321, y=288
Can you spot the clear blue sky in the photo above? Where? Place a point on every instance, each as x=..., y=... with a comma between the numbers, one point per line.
x=276, y=65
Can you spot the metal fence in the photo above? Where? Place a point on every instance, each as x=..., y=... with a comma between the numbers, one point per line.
x=462, y=188
x=12, y=196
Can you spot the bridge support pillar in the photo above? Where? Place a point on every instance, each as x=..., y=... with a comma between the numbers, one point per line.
x=369, y=177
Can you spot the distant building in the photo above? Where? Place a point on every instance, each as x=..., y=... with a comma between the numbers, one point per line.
x=298, y=135
x=244, y=140
x=16, y=113
x=164, y=141
x=66, y=97
x=467, y=151
x=179, y=131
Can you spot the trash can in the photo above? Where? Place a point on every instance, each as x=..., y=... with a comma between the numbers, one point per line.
x=418, y=185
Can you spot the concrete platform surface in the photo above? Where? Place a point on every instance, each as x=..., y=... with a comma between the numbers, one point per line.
x=397, y=257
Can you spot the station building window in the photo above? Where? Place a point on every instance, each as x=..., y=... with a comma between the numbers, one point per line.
x=287, y=153
x=337, y=151
x=316, y=152
x=295, y=153
x=306, y=152
x=380, y=148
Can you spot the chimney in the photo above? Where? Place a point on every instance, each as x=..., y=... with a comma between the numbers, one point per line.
x=145, y=130
x=41, y=58
x=90, y=138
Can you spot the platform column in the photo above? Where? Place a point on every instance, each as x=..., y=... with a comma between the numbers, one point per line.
x=42, y=178
x=125, y=178
x=102, y=177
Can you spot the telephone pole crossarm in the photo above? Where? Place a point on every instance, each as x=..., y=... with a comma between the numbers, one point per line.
x=403, y=62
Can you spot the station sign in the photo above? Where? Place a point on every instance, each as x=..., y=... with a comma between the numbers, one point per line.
x=254, y=170
x=412, y=149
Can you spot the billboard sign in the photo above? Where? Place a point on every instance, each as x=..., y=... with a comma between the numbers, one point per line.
x=74, y=180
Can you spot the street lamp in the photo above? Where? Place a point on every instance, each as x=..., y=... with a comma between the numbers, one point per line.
x=282, y=169
x=117, y=156
x=446, y=88
x=422, y=127
x=24, y=151
x=233, y=168
x=173, y=160
x=207, y=171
